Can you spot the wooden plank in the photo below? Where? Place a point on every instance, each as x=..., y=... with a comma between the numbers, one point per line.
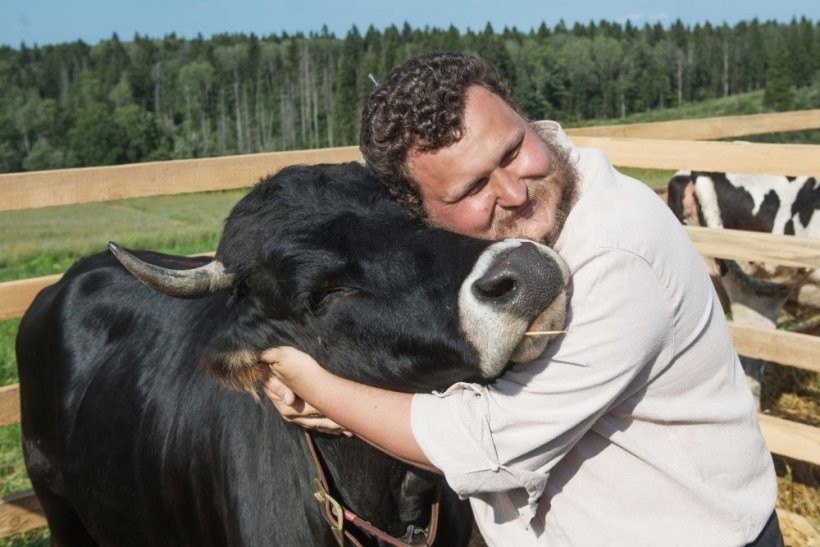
x=735, y=157
x=20, y=513
x=70, y=186
x=787, y=348
x=708, y=128
x=16, y=296
x=791, y=439
x=9, y=404
x=783, y=250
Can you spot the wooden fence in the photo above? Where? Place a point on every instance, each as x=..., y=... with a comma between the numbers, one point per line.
x=798, y=441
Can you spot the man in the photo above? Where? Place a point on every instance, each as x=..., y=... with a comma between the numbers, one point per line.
x=635, y=427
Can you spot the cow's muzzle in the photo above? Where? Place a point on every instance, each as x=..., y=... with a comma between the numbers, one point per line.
x=516, y=286
x=520, y=280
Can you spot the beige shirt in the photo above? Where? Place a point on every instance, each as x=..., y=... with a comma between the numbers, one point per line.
x=636, y=427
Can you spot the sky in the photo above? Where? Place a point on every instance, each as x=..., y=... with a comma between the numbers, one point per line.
x=44, y=22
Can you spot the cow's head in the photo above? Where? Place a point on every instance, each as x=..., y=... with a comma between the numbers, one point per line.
x=682, y=199
x=320, y=257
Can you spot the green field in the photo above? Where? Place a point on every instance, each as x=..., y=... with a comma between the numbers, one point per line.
x=45, y=241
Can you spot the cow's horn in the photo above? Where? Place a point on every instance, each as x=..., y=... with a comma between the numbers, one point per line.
x=193, y=283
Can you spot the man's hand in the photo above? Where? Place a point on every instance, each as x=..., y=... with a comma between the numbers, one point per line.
x=292, y=408
x=378, y=416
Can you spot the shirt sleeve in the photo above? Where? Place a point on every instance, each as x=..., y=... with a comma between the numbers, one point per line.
x=509, y=435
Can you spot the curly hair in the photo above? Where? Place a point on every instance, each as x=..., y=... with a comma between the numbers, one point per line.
x=420, y=106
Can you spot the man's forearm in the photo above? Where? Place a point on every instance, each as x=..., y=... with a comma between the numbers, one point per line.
x=378, y=416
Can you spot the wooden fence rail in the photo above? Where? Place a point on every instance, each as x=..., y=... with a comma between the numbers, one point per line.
x=89, y=184
x=15, y=296
x=735, y=157
x=73, y=186
x=64, y=187
x=20, y=513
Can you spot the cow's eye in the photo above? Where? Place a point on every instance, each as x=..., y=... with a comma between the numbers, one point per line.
x=320, y=300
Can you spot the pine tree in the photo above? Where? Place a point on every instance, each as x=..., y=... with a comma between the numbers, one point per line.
x=778, y=94
x=346, y=106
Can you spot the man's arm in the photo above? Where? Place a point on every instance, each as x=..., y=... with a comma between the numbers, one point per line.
x=295, y=410
x=380, y=417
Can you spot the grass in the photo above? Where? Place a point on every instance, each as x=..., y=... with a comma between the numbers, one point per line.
x=13, y=476
x=806, y=97
x=8, y=363
x=654, y=178
x=34, y=538
x=735, y=105
x=45, y=241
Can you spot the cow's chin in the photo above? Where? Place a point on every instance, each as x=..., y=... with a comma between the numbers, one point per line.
x=553, y=319
x=527, y=348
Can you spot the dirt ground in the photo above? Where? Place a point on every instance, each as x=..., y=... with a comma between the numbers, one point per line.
x=794, y=394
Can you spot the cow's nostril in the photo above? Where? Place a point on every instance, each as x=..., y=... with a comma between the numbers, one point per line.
x=495, y=286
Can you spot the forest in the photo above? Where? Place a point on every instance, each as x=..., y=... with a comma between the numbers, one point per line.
x=117, y=101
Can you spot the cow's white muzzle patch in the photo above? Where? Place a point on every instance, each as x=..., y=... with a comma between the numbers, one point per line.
x=516, y=286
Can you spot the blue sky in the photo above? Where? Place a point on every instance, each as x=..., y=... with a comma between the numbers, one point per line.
x=56, y=21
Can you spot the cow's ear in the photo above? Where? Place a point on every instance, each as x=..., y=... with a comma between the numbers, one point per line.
x=235, y=363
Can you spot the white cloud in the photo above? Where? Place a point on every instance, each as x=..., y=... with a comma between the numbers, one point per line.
x=641, y=18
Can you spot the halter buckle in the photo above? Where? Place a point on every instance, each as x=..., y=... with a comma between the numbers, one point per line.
x=335, y=514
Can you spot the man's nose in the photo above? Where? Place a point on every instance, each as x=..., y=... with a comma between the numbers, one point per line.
x=510, y=190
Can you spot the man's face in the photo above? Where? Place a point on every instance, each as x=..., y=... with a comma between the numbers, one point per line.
x=499, y=180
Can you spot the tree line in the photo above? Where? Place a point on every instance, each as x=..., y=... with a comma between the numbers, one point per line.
x=76, y=104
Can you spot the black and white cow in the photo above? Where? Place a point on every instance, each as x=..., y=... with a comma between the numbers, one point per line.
x=760, y=203
x=131, y=437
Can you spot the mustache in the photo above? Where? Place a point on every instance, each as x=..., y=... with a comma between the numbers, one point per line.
x=562, y=178
x=505, y=220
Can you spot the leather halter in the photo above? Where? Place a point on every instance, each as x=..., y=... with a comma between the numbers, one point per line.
x=336, y=514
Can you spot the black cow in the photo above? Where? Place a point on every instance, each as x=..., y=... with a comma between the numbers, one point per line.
x=130, y=436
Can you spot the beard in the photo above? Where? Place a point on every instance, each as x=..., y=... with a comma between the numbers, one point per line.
x=560, y=186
